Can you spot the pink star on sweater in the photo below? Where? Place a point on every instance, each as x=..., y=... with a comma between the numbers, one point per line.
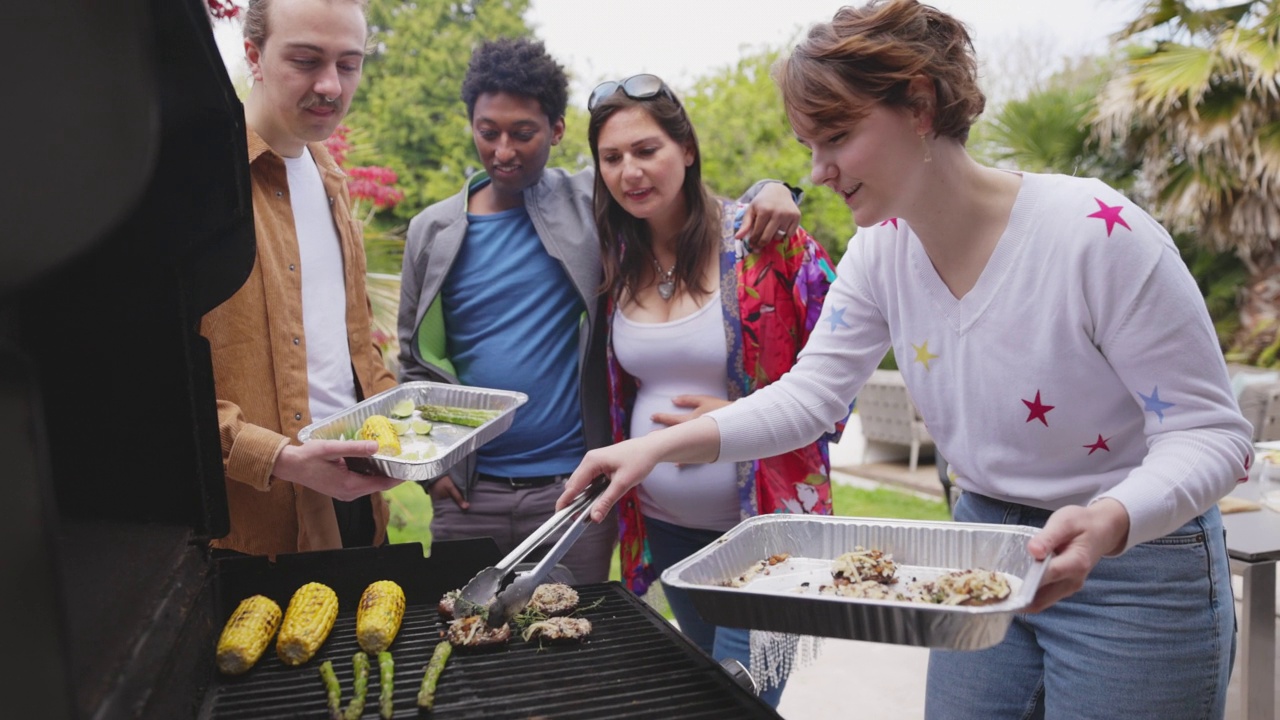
x=1039, y=411
x=1111, y=214
x=893, y=221
x=1100, y=444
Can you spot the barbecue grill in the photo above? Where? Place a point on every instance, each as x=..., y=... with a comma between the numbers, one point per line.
x=133, y=219
x=633, y=665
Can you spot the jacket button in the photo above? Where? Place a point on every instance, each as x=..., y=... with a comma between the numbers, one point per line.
x=291, y=267
x=297, y=341
x=279, y=193
x=331, y=201
x=297, y=416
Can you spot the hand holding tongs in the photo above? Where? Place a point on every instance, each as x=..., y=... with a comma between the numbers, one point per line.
x=480, y=594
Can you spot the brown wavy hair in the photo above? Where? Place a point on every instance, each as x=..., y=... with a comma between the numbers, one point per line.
x=699, y=238
x=870, y=54
x=255, y=20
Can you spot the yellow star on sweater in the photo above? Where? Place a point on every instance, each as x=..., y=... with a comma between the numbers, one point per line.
x=923, y=356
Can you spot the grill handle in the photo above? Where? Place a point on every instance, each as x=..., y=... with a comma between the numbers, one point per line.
x=740, y=675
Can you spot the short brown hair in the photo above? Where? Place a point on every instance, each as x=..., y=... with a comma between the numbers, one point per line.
x=255, y=20
x=871, y=54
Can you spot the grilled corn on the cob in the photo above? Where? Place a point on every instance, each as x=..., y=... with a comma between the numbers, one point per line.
x=379, y=615
x=247, y=634
x=307, y=623
x=378, y=427
x=470, y=417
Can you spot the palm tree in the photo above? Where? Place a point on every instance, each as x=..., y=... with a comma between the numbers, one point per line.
x=1197, y=102
x=1047, y=129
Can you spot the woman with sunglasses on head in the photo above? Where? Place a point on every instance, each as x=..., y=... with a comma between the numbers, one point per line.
x=694, y=323
x=1059, y=350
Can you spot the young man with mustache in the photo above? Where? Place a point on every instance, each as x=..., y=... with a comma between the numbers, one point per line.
x=295, y=342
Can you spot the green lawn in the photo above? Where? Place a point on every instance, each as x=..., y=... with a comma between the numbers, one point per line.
x=411, y=510
x=885, y=502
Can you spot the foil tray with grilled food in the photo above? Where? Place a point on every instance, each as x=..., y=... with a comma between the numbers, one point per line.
x=439, y=425
x=778, y=573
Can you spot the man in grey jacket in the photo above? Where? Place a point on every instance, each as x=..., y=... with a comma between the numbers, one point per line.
x=500, y=289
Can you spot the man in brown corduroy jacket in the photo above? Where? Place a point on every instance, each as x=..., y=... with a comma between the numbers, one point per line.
x=295, y=342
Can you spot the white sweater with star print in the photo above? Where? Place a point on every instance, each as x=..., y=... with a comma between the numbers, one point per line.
x=1082, y=364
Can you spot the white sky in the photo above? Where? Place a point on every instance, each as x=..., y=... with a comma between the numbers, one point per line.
x=681, y=40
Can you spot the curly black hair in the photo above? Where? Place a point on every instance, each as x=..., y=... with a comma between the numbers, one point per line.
x=519, y=66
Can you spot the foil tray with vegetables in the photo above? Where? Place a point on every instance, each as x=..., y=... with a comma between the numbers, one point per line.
x=423, y=428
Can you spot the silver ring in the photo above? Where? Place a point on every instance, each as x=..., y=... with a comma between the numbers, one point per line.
x=782, y=233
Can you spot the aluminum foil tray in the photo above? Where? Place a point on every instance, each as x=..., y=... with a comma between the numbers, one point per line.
x=451, y=442
x=779, y=602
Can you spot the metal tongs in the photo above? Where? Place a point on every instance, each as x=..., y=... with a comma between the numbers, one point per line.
x=481, y=596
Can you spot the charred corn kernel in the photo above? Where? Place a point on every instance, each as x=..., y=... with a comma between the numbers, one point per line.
x=307, y=623
x=379, y=615
x=470, y=417
x=378, y=427
x=247, y=634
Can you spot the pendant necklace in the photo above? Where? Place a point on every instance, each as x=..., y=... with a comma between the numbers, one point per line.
x=666, y=280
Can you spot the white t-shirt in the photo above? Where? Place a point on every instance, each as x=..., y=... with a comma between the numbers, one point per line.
x=687, y=356
x=1081, y=365
x=330, y=378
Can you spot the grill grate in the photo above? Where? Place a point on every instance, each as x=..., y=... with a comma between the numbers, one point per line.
x=633, y=665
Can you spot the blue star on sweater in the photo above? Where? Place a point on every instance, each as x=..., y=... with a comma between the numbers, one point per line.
x=1154, y=404
x=836, y=318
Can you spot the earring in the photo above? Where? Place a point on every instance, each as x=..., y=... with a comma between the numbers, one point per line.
x=927, y=155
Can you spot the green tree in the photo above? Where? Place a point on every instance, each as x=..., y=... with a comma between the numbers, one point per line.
x=744, y=135
x=1197, y=102
x=1047, y=129
x=409, y=98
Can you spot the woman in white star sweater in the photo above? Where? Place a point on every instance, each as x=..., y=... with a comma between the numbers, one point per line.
x=1059, y=351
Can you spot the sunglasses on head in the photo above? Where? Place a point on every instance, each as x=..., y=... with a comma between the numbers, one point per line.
x=636, y=87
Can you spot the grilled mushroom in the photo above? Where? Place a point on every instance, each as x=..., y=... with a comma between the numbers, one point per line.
x=553, y=599
x=559, y=629
x=473, y=633
x=445, y=607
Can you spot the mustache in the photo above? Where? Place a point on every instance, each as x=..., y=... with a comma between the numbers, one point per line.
x=317, y=100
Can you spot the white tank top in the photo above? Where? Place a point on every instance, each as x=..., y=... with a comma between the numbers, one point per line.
x=681, y=357
x=330, y=379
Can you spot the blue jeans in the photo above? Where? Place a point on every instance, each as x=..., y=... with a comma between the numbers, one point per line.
x=668, y=545
x=1150, y=635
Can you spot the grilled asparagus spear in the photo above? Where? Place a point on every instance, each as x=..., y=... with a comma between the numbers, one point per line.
x=360, y=666
x=332, y=689
x=470, y=417
x=427, y=693
x=386, y=679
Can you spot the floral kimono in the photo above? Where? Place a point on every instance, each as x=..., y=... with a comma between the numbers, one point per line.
x=771, y=301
